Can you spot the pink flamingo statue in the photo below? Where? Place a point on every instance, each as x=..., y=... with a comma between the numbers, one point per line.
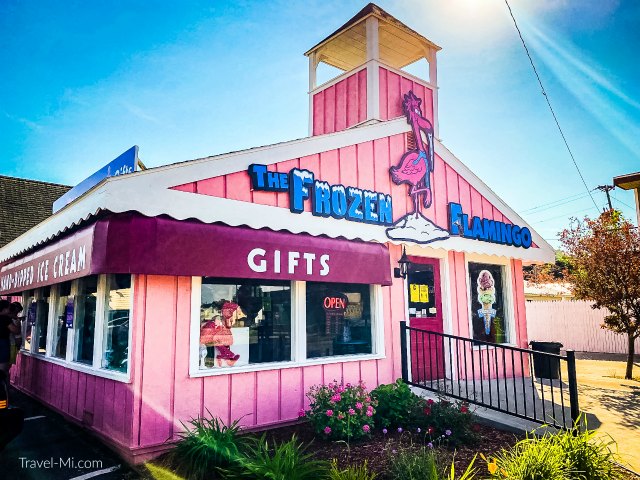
x=415, y=166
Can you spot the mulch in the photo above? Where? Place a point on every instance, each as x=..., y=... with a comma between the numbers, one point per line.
x=379, y=448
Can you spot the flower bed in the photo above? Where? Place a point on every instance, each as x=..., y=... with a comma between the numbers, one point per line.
x=344, y=437
x=379, y=448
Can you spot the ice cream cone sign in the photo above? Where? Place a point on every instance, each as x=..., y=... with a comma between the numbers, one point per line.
x=487, y=297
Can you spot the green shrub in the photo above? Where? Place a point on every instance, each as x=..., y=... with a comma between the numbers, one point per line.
x=341, y=412
x=352, y=472
x=397, y=405
x=409, y=464
x=571, y=454
x=589, y=457
x=283, y=461
x=532, y=459
x=209, y=447
x=468, y=474
x=451, y=421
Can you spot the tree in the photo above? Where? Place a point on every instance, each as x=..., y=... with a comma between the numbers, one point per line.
x=549, y=272
x=605, y=255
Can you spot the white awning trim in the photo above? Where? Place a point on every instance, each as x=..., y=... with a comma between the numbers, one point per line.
x=149, y=193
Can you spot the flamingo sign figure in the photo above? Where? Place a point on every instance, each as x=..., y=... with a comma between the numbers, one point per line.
x=415, y=169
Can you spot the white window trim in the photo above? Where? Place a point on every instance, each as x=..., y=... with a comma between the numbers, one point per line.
x=95, y=368
x=298, y=335
x=507, y=288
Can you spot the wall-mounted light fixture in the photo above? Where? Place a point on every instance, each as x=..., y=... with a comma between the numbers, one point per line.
x=403, y=265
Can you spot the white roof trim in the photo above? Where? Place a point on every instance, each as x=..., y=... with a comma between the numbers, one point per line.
x=149, y=193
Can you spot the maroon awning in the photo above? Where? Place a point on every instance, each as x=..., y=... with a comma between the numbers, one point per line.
x=132, y=243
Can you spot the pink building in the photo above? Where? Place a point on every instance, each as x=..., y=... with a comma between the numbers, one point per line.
x=233, y=283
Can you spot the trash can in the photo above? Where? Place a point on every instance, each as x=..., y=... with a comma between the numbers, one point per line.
x=545, y=366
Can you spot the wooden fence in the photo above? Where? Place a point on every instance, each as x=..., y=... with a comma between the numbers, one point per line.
x=574, y=324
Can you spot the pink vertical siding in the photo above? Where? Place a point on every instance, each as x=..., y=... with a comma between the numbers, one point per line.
x=392, y=88
x=186, y=393
x=66, y=390
x=340, y=105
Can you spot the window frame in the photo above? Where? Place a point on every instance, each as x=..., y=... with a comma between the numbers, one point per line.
x=507, y=288
x=298, y=334
x=95, y=368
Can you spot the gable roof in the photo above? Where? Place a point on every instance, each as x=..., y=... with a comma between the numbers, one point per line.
x=150, y=193
x=24, y=204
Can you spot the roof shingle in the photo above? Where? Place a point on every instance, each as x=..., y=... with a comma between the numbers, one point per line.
x=24, y=204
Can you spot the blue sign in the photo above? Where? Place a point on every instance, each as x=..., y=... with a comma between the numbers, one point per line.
x=68, y=312
x=337, y=201
x=31, y=313
x=125, y=163
x=487, y=230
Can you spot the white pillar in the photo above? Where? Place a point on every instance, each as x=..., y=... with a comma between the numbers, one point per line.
x=313, y=68
x=373, y=69
x=637, y=194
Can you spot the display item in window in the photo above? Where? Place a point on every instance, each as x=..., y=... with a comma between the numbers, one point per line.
x=487, y=297
x=217, y=333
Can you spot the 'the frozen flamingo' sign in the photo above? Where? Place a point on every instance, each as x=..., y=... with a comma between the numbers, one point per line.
x=337, y=201
x=415, y=170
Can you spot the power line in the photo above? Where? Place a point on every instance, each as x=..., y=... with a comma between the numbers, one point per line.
x=561, y=216
x=550, y=205
x=544, y=92
x=620, y=201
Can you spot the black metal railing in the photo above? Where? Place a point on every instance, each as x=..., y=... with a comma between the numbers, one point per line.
x=495, y=376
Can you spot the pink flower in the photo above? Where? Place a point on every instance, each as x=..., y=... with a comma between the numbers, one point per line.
x=348, y=385
x=366, y=428
x=359, y=405
x=340, y=416
x=329, y=413
x=336, y=398
x=327, y=430
x=368, y=399
x=430, y=402
x=369, y=413
x=301, y=413
x=352, y=411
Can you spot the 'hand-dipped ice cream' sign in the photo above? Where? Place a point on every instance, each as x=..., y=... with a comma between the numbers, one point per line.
x=337, y=201
x=487, y=297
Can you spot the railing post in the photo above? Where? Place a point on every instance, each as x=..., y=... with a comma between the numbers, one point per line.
x=573, y=386
x=403, y=350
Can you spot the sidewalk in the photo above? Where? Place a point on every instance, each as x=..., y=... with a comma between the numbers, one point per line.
x=71, y=452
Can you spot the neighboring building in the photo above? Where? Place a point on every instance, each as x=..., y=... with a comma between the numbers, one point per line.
x=547, y=291
x=232, y=284
x=24, y=204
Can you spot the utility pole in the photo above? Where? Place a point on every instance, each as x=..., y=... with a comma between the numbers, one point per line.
x=606, y=189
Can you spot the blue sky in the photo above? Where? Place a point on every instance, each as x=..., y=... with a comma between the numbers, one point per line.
x=83, y=81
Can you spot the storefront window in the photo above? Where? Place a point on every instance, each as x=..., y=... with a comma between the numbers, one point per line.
x=486, y=284
x=116, y=322
x=29, y=312
x=64, y=305
x=85, y=318
x=42, y=320
x=244, y=322
x=338, y=319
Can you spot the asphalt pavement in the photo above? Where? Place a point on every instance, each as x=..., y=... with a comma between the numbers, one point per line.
x=52, y=448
